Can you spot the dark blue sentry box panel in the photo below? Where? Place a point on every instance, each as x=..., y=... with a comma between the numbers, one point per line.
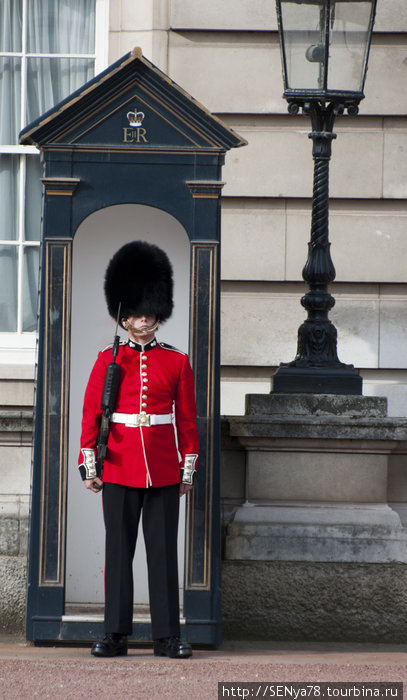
x=130, y=135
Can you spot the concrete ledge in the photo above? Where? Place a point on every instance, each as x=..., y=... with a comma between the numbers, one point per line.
x=296, y=601
x=16, y=421
x=327, y=427
x=16, y=428
x=349, y=532
x=316, y=405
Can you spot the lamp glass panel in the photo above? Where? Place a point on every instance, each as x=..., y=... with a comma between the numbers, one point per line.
x=304, y=37
x=349, y=43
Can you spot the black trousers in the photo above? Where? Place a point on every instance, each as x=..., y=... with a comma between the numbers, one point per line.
x=122, y=507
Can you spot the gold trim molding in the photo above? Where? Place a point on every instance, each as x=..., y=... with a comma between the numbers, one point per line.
x=204, y=259
x=55, y=412
x=60, y=186
x=205, y=189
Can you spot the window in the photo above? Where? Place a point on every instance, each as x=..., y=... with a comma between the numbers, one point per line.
x=48, y=49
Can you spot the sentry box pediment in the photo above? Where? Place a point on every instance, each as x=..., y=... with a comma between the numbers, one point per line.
x=132, y=104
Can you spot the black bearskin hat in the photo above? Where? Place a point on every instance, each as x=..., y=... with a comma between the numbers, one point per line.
x=139, y=276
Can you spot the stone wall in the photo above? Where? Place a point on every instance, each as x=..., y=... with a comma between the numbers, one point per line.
x=227, y=56
x=269, y=600
x=16, y=425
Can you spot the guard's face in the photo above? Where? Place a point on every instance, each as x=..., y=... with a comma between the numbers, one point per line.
x=141, y=323
x=141, y=329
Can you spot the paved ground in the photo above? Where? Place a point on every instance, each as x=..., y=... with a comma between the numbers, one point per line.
x=62, y=672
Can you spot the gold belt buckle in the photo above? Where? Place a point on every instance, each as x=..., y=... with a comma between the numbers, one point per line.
x=144, y=419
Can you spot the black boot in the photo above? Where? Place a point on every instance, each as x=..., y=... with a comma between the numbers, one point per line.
x=172, y=647
x=111, y=645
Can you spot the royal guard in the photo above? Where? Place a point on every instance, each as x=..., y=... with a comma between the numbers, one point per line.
x=139, y=424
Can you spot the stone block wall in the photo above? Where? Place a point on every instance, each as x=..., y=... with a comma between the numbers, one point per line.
x=314, y=601
x=16, y=425
x=266, y=199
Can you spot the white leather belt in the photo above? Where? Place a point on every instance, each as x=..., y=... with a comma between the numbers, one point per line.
x=136, y=420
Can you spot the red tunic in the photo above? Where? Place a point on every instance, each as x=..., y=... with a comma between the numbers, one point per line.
x=154, y=379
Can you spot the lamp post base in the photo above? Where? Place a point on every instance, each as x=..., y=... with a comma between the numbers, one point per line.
x=317, y=380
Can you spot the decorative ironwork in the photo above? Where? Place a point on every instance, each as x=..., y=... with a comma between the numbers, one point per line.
x=317, y=336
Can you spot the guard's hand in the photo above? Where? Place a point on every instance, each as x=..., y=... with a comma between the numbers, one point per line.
x=184, y=488
x=94, y=484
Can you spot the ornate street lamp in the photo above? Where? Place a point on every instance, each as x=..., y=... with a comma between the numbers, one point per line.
x=324, y=51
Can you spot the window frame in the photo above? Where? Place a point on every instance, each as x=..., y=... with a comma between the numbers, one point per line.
x=19, y=346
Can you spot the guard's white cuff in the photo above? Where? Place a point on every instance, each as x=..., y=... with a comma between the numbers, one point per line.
x=89, y=463
x=188, y=470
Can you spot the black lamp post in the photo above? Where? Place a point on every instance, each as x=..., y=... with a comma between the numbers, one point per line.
x=324, y=51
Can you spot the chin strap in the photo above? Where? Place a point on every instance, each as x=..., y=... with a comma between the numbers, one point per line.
x=188, y=471
x=143, y=331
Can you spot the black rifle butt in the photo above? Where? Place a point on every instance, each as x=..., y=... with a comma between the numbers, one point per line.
x=110, y=387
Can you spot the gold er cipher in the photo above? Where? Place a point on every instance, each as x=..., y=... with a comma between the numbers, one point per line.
x=134, y=135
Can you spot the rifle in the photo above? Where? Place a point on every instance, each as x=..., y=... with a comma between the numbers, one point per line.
x=108, y=401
